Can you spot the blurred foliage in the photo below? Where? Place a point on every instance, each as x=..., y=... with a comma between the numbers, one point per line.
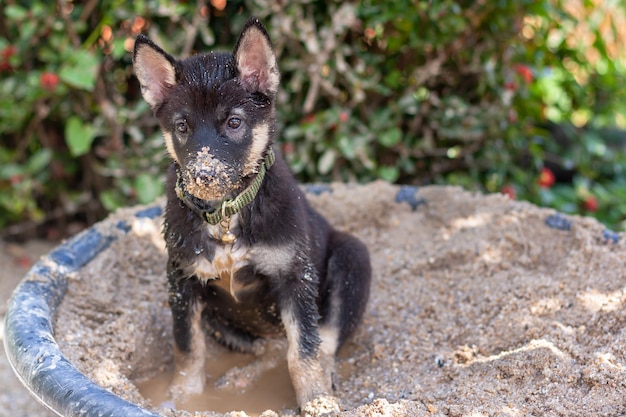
x=570, y=113
x=488, y=95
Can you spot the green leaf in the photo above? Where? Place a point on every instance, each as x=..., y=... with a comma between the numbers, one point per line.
x=111, y=200
x=39, y=160
x=119, y=50
x=326, y=161
x=9, y=170
x=347, y=147
x=81, y=71
x=78, y=136
x=16, y=13
x=390, y=137
x=388, y=173
x=148, y=188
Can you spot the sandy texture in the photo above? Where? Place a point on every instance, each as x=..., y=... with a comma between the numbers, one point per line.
x=480, y=306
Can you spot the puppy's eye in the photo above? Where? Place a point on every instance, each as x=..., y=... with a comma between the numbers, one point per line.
x=234, y=122
x=181, y=126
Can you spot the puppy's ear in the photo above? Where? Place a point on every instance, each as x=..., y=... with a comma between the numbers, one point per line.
x=155, y=70
x=255, y=59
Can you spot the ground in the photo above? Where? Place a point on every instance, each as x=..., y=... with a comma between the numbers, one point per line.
x=480, y=306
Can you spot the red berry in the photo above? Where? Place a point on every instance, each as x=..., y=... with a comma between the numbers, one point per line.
x=15, y=179
x=509, y=191
x=591, y=204
x=49, y=81
x=309, y=118
x=546, y=178
x=510, y=86
x=5, y=56
x=288, y=148
x=525, y=72
x=343, y=116
x=8, y=52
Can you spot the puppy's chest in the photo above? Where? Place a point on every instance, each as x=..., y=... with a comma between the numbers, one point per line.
x=239, y=266
x=222, y=269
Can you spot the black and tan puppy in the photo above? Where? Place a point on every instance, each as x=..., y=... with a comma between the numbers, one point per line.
x=248, y=256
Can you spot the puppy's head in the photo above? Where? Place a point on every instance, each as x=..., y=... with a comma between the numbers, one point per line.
x=216, y=110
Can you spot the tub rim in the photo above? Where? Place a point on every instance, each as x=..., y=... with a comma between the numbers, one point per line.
x=29, y=342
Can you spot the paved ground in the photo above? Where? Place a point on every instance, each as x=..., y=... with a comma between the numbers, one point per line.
x=15, y=260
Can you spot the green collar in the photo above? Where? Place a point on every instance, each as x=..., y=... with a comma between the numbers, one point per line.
x=231, y=206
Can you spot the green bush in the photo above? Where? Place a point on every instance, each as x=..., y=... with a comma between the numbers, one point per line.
x=570, y=111
x=410, y=92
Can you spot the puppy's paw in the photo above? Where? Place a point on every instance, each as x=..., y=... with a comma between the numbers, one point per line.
x=185, y=384
x=323, y=406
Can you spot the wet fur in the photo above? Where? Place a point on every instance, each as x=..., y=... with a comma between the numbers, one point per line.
x=289, y=271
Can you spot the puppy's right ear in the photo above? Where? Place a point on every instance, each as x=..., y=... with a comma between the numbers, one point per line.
x=155, y=70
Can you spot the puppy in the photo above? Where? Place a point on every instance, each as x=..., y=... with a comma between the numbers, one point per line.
x=247, y=255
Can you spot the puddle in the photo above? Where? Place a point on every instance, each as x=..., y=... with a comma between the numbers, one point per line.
x=273, y=389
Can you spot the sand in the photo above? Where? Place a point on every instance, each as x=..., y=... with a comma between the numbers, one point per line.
x=480, y=306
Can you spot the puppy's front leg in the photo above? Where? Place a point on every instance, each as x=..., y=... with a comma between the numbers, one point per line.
x=189, y=339
x=299, y=314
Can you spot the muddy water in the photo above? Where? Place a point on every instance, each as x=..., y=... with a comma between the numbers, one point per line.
x=273, y=390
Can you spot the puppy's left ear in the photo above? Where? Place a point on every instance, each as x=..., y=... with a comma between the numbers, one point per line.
x=255, y=59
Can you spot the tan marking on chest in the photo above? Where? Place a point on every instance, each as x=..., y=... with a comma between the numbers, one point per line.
x=227, y=261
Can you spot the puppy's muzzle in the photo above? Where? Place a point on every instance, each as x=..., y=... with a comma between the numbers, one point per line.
x=209, y=179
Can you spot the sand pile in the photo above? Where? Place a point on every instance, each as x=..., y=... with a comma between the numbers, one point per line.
x=480, y=306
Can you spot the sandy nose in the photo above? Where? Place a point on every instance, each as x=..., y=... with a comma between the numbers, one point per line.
x=205, y=176
x=208, y=179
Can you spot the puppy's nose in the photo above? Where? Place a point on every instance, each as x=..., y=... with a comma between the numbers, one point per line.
x=205, y=176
